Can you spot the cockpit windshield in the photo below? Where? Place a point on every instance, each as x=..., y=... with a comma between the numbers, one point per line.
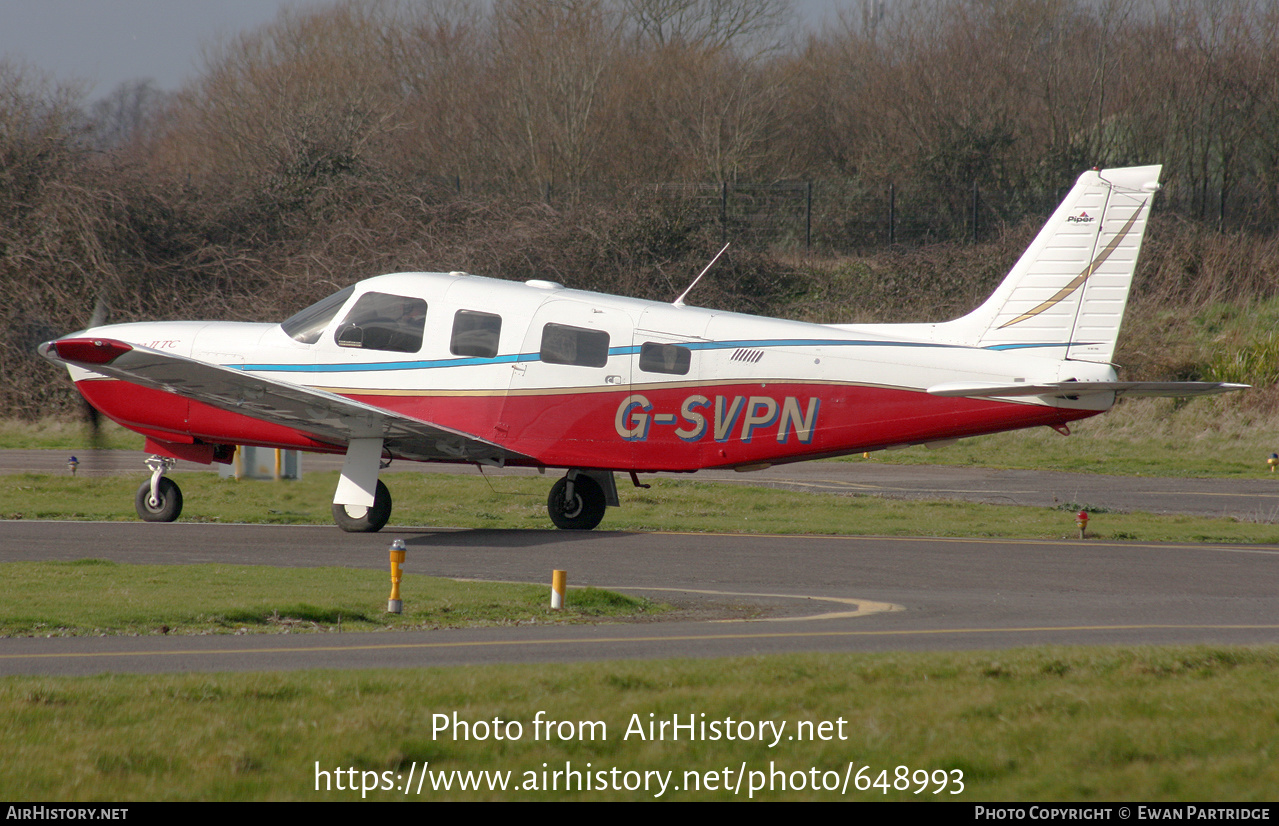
x=307, y=325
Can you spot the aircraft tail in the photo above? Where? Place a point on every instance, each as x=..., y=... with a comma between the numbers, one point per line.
x=1065, y=297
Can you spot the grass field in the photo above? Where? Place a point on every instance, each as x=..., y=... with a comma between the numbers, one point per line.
x=64, y=434
x=1078, y=724
x=97, y=597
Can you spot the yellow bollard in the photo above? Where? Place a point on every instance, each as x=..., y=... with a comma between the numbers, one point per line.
x=1272, y=461
x=559, y=581
x=394, y=605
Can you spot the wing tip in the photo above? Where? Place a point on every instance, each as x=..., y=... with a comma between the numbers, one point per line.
x=95, y=351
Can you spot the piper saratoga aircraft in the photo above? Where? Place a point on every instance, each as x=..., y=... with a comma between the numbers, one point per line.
x=451, y=367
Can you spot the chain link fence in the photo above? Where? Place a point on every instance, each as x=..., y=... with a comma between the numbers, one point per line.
x=832, y=216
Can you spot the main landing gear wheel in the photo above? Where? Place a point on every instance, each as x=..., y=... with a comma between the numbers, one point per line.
x=359, y=519
x=165, y=506
x=580, y=511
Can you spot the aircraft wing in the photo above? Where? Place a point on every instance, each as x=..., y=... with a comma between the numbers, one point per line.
x=1075, y=389
x=324, y=416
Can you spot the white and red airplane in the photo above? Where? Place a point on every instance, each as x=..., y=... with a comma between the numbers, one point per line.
x=451, y=367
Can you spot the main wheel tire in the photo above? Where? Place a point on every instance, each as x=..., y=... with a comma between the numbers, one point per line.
x=584, y=511
x=168, y=506
x=355, y=519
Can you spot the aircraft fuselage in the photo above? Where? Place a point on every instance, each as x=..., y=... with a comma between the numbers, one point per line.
x=662, y=388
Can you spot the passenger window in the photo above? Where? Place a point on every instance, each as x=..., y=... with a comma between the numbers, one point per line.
x=562, y=344
x=665, y=358
x=379, y=321
x=475, y=334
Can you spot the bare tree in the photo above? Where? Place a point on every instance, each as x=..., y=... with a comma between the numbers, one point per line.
x=39, y=136
x=439, y=55
x=718, y=115
x=1207, y=77
x=298, y=101
x=122, y=115
x=751, y=25
x=550, y=67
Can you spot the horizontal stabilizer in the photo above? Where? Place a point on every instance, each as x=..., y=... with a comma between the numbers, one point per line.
x=1075, y=389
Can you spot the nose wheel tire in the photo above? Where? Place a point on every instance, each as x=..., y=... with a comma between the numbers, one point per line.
x=165, y=507
x=583, y=511
x=358, y=519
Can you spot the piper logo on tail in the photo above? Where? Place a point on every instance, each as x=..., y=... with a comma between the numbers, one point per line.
x=723, y=417
x=1081, y=218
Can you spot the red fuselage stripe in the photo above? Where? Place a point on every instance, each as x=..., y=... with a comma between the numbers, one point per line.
x=642, y=428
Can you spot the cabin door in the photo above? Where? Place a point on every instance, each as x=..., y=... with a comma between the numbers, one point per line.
x=573, y=373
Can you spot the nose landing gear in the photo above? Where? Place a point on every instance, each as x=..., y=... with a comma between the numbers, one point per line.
x=159, y=499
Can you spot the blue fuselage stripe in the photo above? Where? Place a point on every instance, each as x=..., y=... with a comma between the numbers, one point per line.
x=629, y=350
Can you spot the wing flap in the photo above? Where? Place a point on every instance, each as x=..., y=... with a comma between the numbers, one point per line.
x=320, y=414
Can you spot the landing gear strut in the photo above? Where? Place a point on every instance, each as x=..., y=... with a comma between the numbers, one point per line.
x=159, y=499
x=359, y=519
x=576, y=502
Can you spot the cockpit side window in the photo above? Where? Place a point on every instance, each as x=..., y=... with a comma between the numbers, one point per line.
x=307, y=325
x=381, y=321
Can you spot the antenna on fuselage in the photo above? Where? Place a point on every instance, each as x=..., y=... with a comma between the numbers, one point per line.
x=679, y=302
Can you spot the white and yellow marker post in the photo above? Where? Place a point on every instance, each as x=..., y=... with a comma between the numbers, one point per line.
x=559, y=581
x=395, y=605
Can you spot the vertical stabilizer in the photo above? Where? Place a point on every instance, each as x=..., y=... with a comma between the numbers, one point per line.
x=1065, y=297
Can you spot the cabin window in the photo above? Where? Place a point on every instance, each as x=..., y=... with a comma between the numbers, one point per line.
x=307, y=325
x=380, y=321
x=665, y=358
x=475, y=334
x=562, y=344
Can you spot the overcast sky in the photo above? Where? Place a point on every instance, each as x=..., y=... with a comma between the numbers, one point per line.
x=105, y=42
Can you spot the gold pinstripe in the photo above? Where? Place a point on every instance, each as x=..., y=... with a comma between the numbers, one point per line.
x=1079, y=280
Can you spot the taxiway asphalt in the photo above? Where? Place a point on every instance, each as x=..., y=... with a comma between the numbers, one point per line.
x=816, y=594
